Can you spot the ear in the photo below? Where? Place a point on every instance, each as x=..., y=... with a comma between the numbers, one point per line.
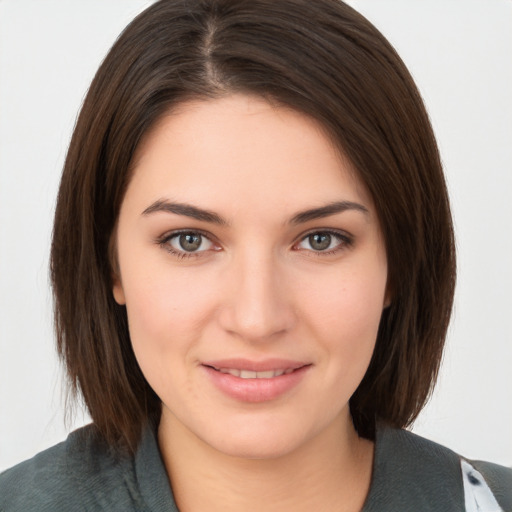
x=117, y=285
x=118, y=291
x=388, y=296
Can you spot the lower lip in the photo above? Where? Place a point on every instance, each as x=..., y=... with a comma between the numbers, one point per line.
x=255, y=390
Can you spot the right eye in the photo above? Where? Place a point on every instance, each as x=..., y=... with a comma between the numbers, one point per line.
x=187, y=243
x=190, y=242
x=324, y=242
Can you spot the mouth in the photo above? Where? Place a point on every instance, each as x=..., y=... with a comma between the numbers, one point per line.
x=249, y=374
x=250, y=369
x=256, y=381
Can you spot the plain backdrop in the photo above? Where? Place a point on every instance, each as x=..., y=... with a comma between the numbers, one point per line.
x=460, y=53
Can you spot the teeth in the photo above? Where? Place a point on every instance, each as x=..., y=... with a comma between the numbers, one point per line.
x=247, y=374
x=236, y=373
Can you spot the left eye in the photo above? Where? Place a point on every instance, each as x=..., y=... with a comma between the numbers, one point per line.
x=321, y=241
x=189, y=242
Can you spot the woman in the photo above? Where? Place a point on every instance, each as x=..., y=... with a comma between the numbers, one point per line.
x=253, y=270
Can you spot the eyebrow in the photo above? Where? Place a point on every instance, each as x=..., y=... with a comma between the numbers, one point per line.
x=188, y=210
x=327, y=210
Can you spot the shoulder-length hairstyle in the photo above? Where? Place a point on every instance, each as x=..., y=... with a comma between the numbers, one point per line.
x=318, y=57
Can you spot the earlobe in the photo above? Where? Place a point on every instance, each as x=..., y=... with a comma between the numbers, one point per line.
x=387, y=297
x=118, y=292
x=117, y=286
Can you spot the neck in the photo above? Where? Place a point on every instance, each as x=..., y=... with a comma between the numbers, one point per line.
x=332, y=471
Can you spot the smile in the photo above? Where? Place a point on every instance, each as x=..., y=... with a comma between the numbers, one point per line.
x=248, y=374
x=255, y=381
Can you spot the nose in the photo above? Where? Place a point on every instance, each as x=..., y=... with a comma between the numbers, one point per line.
x=257, y=305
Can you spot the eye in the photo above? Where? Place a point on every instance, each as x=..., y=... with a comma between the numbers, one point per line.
x=324, y=242
x=187, y=242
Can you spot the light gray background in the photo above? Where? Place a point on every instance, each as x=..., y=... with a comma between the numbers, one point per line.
x=459, y=51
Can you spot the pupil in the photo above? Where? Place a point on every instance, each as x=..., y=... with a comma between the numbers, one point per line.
x=320, y=241
x=190, y=242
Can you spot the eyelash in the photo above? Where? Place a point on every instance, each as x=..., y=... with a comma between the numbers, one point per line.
x=345, y=241
x=163, y=242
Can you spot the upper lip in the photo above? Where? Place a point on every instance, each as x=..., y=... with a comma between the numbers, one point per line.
x=255, y=366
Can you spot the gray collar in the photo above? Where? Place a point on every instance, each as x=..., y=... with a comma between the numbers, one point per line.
x=410, y=473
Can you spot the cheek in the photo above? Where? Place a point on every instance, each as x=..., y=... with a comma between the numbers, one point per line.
x=344, y=311
x=166, y=316
x=166, y=307
x=351, y=302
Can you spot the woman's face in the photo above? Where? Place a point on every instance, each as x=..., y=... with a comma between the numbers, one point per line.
x=254, y=275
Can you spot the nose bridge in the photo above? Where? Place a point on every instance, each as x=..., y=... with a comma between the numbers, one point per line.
x=258, y=306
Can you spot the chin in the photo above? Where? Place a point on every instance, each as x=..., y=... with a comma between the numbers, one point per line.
x=259, y=447
x=257, y=438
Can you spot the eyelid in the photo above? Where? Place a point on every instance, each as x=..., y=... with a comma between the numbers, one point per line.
x=346, y=240
x=163, y=241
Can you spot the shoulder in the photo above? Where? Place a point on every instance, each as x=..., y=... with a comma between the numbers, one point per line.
x=82, y=473
x=414, y=473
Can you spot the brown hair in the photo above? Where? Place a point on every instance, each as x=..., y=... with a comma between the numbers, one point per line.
x=321, y=58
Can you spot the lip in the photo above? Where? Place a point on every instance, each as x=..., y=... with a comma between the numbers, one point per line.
x=254, y=390
x=256, y=366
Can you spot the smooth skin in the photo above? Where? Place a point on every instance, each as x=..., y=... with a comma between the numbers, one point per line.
x=217, y=260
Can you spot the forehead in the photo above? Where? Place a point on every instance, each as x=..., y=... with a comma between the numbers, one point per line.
x=243, y=149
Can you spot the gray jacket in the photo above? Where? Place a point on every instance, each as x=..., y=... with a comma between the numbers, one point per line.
x=84, y=474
